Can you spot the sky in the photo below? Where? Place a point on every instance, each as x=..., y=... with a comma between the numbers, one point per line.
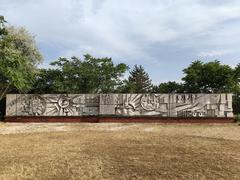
x=164, y=36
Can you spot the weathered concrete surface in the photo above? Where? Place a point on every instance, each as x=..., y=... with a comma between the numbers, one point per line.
x=161, y=105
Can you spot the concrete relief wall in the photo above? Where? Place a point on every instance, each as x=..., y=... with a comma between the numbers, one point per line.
x=165, y=105
x=52, y=105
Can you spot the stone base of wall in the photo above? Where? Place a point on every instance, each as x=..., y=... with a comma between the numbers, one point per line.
x=37, y=119
x=165, y=120
x=96, y=119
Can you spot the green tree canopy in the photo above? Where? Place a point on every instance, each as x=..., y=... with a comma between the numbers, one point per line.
x=48, y=81
x=90, y=75
x=138, y=81
x=168, y=87
x=18, y=58
x=210, y=77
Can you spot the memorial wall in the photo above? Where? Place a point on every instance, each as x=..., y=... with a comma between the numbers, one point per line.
x=161, y=105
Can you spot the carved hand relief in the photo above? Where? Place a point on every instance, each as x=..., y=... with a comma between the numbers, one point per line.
x=128, y=104
x=154, y=102
x=141, y=104
x=166, y=105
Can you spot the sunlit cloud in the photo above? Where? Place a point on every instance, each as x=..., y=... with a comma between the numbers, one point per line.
x=164, y=36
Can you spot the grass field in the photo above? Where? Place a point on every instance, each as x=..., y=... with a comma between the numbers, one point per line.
x=119, y=151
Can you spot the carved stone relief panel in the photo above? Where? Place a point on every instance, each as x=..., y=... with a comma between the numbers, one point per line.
x=142, y=104
x=65, y=105
x=32, y=105
x=107, y=104
x=54, y=105
x=165, y=105
x=199, y=105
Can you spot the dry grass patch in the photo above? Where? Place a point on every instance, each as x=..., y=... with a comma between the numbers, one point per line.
x=119, y=151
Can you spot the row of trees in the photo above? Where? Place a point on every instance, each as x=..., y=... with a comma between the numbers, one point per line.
x=19, y=57
x=210, y=77
x=100, y=75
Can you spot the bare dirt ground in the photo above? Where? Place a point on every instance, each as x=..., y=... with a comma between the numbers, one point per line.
x=119, y=151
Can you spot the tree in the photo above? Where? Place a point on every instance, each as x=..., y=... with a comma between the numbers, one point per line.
x=211, y=77
x=18, y=59
x=48, y=81
x=236, y=97
x=90, y=75
x=24, y=42
x=236, y=78
x=2, y=27
x=168, y=87
x=138, y=81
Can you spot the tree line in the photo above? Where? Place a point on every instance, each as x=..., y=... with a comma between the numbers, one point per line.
x=19, y=72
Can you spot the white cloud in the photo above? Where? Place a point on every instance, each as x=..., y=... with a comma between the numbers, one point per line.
x=213, y=53
x=135, y=31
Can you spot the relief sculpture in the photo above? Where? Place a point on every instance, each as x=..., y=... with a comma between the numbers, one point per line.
x=201, y=105
x=128, y=104
x=63, y=105
x=72, y=105
x=163, y=105
x=33, y=105
x=142, y=104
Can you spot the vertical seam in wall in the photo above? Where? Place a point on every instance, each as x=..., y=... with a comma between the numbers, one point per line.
x=169, y=106
x=16, y=104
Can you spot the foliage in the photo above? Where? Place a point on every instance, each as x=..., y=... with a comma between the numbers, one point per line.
x=2, y=26
x=91, y=75
x=25, y=43
x=236, y=78
x=138, y=81
x=18, y=58
x=168, y=87
x=47, y=81
x=211, y=77
x=236, y=104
